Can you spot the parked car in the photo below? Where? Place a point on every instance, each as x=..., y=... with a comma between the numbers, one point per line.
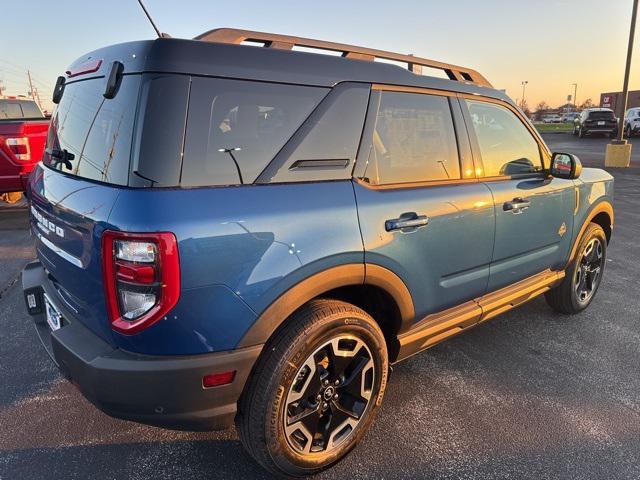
x=596, y=120
x=632, y=122
x=554, y=118
x=23, y=131
x=569, y=117
x=227, y=232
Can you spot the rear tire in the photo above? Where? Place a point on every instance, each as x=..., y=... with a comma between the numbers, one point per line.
x=584, y=274
x=314, y=390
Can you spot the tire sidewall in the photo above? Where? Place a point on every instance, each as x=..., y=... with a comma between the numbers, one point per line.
x=277, y=444
x=593, y=231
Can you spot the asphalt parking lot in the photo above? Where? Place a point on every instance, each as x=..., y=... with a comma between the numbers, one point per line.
x=528, y=395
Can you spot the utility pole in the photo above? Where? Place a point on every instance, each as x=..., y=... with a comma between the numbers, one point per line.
x=575, y=93
x=524, y=84
x=625, y=88
x=618, y=152
x=31, y=86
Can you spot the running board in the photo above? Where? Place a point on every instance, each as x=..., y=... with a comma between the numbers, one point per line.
x=436, y=327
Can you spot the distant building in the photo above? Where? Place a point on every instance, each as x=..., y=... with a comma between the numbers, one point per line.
x=613, y=100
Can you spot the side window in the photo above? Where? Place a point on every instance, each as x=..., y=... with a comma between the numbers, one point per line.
x=506, y=145
x=236, y=127
x=413, y=140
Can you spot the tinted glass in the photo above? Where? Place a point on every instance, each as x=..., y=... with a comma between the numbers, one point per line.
x=10, y=110
x=236, y=127
x=31, y=110
x=325, y=147
x=157, y=156
x=97, y=131
x=601, y=116
x=414, y=140
x=506, y=145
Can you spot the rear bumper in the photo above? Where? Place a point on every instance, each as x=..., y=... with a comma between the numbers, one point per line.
x=159, y=391
x=600, y=129
x=13, y=183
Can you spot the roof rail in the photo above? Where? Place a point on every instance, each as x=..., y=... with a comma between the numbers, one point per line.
x=286, y=42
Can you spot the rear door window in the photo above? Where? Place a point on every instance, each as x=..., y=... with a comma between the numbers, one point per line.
x=413, y=141
x=235, y=128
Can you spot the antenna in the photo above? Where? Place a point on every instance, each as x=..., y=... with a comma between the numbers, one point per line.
x=155, y=27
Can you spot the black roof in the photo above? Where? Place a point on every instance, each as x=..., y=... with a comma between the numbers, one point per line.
x=193, y=57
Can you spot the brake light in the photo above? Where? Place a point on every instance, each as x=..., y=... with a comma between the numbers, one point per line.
x=141, y=277
x=89, y=66
x=18, y=148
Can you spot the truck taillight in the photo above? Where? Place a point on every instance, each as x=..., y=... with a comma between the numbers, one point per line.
x=141, y=277
x=18, y=148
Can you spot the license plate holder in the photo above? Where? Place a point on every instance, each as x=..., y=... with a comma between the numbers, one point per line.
x=600, y=123
x=54, y=318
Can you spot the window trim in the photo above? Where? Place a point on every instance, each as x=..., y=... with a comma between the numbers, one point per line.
x=464, y=149
x=545, y=153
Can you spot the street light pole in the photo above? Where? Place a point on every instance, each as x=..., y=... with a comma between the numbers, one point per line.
x=524, y=84
x=625, y=88
x=575, y=93
x=618, y=152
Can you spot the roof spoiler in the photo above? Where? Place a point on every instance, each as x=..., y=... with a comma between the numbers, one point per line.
x=286, y=42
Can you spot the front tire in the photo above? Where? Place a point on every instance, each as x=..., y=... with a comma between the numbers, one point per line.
x=584, y=274
x=315, y=390
x=580, y=132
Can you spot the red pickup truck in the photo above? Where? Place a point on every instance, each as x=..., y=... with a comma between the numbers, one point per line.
x=23, y=133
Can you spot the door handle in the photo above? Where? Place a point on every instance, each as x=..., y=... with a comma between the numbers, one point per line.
x=406, y=221
x=516, y=206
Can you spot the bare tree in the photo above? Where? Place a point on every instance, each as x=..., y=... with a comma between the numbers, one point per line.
x=588, y=103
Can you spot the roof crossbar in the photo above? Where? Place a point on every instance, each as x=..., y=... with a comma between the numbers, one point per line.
x=286, y=42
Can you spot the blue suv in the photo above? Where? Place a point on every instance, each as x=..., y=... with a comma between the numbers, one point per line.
x=237, y=228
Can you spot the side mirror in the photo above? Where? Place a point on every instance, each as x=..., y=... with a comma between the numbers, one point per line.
x=565, y=165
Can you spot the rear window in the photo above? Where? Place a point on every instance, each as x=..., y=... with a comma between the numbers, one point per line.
x=600, y=116
x=31, y=110
x=10, y=110
x=95, y=130
x=17, y=109
x=236, y=127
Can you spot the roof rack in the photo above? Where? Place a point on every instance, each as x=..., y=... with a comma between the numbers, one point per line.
x=286, y=42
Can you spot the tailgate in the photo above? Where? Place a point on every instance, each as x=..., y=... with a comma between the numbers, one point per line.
x=67, y=217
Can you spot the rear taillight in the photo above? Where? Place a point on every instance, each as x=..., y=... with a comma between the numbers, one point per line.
x=18, y=148
x=141, y=277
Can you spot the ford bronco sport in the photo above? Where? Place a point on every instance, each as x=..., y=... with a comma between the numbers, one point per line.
x=238, y=228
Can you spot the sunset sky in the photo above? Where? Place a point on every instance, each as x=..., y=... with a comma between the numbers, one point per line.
x=549, y=43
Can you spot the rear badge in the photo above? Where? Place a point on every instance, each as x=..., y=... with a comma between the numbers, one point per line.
x=562, y=230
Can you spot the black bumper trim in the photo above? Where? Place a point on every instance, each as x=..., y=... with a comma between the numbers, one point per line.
x=156, y=390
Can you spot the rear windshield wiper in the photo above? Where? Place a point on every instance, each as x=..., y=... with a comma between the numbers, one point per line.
x=61, y=156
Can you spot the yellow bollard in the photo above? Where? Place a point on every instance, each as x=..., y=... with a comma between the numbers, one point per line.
x=618, y=155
